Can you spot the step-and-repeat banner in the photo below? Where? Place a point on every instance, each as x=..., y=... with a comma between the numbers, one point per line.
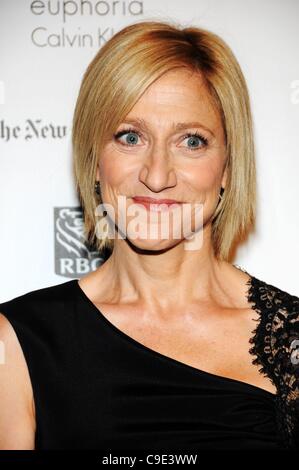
x=45, y=48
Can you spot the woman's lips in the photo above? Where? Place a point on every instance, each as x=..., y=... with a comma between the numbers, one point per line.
x=155, y=204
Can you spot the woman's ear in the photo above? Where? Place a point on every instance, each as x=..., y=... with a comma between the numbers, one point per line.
x=225, y=175
x=98, y=173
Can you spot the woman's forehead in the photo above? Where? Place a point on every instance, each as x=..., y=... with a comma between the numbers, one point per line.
x=177, y=82
x=174, y=99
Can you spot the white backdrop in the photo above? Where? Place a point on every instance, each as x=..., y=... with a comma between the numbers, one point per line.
x=45, y=48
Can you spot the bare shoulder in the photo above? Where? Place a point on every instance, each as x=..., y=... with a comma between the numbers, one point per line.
x=17, y=415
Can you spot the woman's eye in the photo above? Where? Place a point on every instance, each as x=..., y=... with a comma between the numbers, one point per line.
x=130, y=137
x=196, y=141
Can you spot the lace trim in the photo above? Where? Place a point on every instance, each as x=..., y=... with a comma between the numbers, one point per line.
x=275, y=347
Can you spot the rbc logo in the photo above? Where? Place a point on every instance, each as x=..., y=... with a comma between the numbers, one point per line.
x=73, y=257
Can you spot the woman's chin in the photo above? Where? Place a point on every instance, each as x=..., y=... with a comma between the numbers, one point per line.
x=153, y=244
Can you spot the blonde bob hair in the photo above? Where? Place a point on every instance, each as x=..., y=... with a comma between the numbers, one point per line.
x=121, y=71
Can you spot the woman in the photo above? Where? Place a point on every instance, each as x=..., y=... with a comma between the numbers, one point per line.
x=167, y=344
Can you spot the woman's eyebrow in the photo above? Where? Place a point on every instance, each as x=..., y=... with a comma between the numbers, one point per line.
x=175, y=126
x=184, y=125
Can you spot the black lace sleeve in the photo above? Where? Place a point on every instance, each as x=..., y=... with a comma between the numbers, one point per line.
x=275, y=345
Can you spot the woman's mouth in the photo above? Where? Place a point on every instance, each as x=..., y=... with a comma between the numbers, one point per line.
x=156, y=205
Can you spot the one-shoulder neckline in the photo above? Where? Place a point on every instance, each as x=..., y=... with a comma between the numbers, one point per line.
x=250, y=283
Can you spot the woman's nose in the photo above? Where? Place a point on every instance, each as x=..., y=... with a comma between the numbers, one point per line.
x=158, y=170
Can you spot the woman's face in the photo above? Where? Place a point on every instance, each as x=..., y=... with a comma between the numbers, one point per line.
x=171, y=145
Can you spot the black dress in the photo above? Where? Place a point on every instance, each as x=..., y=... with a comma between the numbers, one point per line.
x=95, y=387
